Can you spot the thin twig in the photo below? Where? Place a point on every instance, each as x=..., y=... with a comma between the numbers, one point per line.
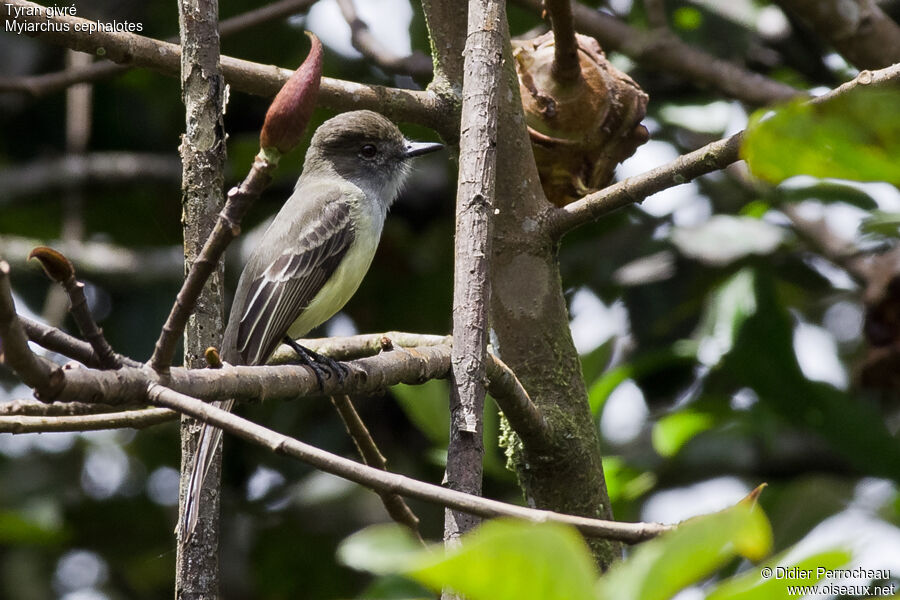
x=37, y=373
x=415, y=106
x=683, y=169
x=390, y=482
x=416, y=64
x=227, y=228
x=372, y=456
x=566, y=67
x=59, y=268
x=358, y=346
x=40, y=85
x=60, y=342
x=35, y=408
x=132, y=419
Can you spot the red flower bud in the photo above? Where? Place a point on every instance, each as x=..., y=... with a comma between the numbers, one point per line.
x=293, y=105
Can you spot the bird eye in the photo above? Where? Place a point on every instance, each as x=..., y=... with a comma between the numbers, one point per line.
x=368, y=151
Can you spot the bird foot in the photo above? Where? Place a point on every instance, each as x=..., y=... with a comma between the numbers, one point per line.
x=322, y=366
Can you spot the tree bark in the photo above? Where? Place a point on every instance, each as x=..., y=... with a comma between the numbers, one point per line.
x=203, y=157
x=471, y=281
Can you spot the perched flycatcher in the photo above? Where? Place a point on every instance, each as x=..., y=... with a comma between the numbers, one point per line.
x=313, y=256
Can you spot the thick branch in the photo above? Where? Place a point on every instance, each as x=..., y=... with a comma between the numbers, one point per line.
x=200, y=305
x=390, y=482
x=858, y=29
x=471, y=279
x=253, y=78
x=668, y=54
x=683, y=169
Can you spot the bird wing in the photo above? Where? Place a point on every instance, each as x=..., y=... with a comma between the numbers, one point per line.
x=285, y=288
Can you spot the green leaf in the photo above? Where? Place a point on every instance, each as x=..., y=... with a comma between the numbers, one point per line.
x=381, y=549
x=662, y=567
x=594, y=362
x=825, y=191
x=541, y=561
x=753, y=585
x=625, y=483
x=855, y=135
x=673, y=431
x=501, y=560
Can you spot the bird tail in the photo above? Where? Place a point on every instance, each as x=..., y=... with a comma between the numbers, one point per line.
x=203, y=457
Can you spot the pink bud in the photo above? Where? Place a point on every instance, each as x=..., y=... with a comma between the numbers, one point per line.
x=293, y=105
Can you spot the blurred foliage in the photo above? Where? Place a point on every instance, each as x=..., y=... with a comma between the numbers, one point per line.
x=505, y=559
x=853, y=136
x=707, y=335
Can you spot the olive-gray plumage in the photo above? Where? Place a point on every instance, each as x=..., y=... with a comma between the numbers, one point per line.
x=315, y=253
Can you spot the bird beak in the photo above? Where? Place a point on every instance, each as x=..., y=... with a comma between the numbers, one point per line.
x=414, y=149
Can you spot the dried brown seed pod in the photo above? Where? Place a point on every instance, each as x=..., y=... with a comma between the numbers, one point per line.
x=579, y=130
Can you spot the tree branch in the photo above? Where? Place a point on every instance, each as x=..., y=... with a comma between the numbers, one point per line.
x=390, y=482
x=40, y=85
x=35, y=372
x=200, y=305
x=416, y=64
x=372, y=456
x=667, y=53
x=133, y=419
x=414, y=106
x=227, y=228
x=858, y=29
x=60, y=342
x=683, y=169
x=566, y=67
x=482, y=58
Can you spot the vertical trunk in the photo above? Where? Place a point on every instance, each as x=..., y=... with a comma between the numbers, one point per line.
x=203, y=157
x=528, y=313
x=471, y=281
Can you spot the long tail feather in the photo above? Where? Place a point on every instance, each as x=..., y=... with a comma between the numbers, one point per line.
x=206, y=450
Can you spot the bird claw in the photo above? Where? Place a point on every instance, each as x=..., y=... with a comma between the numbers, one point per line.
x=323, y=367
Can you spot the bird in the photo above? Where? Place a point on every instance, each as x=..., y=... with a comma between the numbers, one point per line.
x=313, y=256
